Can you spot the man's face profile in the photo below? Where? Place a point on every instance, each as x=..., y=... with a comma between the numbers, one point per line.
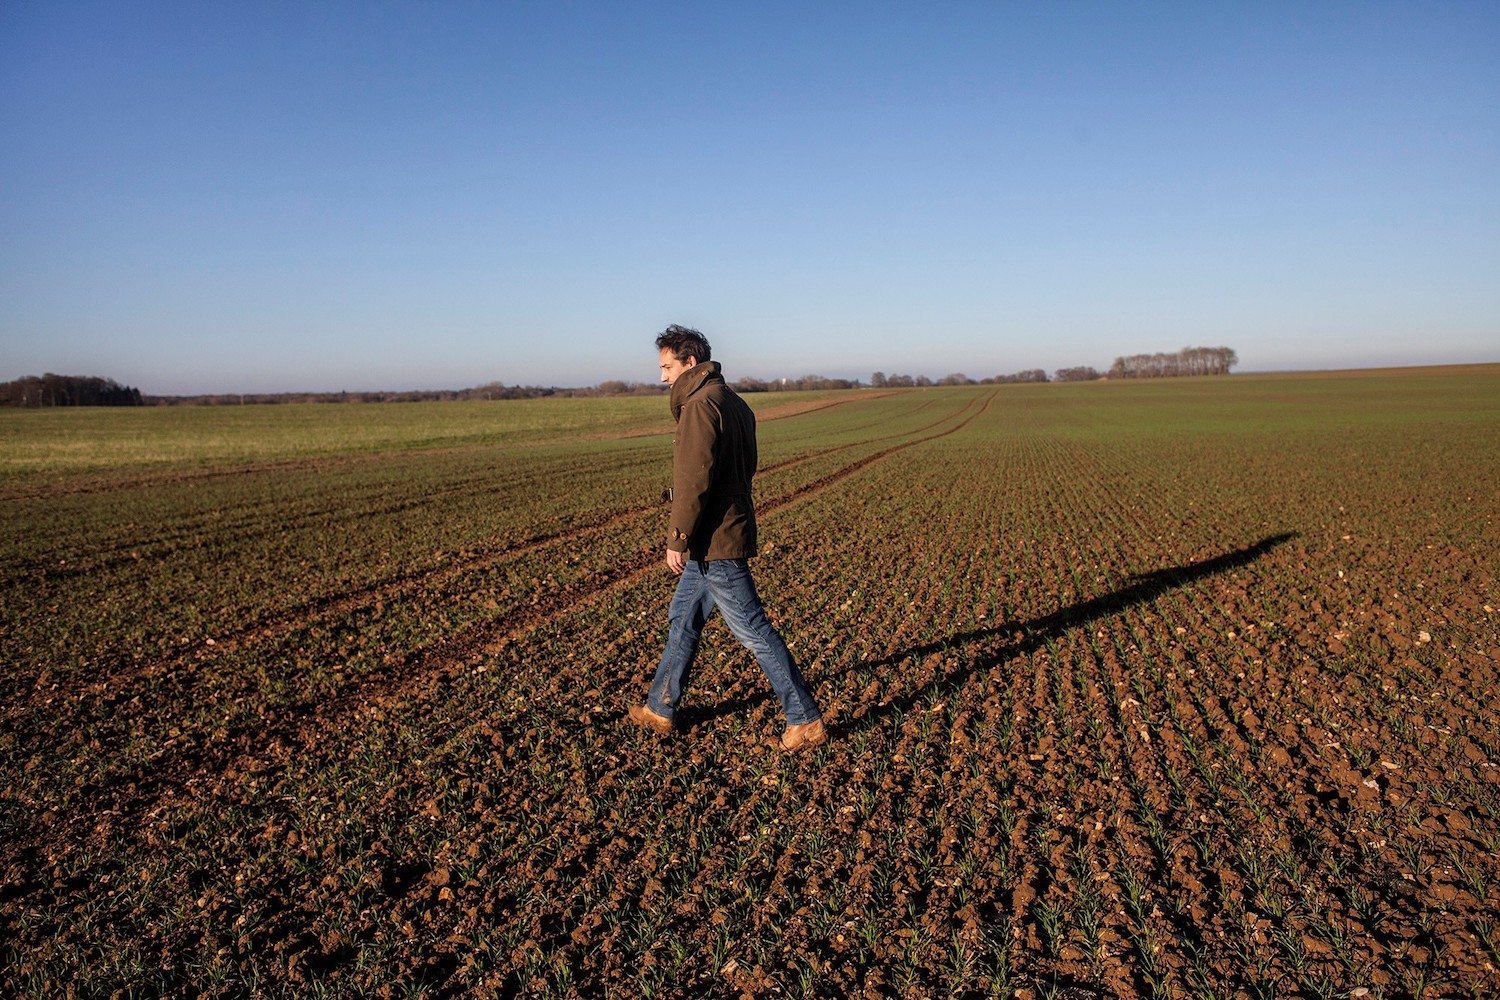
x=671, y=367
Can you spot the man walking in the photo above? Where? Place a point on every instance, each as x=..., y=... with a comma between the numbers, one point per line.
x=711, y=539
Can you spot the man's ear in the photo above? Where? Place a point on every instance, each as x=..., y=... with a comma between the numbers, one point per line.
x=692, y=361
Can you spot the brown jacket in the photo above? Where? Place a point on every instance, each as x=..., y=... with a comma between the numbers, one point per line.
x=713, y=463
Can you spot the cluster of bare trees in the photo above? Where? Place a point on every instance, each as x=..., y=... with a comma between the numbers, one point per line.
x=1026, y=375
x=1188, y=361
x=32, y=391
x=880, y=380
x=1083, y=373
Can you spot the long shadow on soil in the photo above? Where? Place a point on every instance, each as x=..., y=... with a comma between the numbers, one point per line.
x=1035, y=633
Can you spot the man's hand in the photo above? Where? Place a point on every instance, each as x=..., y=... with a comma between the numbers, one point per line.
x=676, y=561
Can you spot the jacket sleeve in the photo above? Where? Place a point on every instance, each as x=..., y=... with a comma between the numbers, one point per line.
x=692, y=472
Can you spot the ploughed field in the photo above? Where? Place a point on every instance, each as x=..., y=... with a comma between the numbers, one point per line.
x=1170, y=688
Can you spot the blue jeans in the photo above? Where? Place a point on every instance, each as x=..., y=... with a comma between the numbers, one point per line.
x=726, y=584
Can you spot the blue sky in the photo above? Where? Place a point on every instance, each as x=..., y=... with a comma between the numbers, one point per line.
x=320, y=196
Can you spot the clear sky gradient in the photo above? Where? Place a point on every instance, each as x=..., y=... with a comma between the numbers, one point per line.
x=213, y=197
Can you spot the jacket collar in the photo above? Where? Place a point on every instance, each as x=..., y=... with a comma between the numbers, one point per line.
x=691, y=381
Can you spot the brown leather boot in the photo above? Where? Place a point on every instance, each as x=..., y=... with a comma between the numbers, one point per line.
x=642, y=715
x=803, y=737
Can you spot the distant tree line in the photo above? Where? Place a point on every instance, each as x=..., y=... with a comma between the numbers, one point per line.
x=78, y=390
x=1188, y=361
x=491, y=390
x=806, y=382
x=33, y=391
x=880, y=380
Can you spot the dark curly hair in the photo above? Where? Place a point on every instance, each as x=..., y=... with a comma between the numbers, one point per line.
x=684, y=342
